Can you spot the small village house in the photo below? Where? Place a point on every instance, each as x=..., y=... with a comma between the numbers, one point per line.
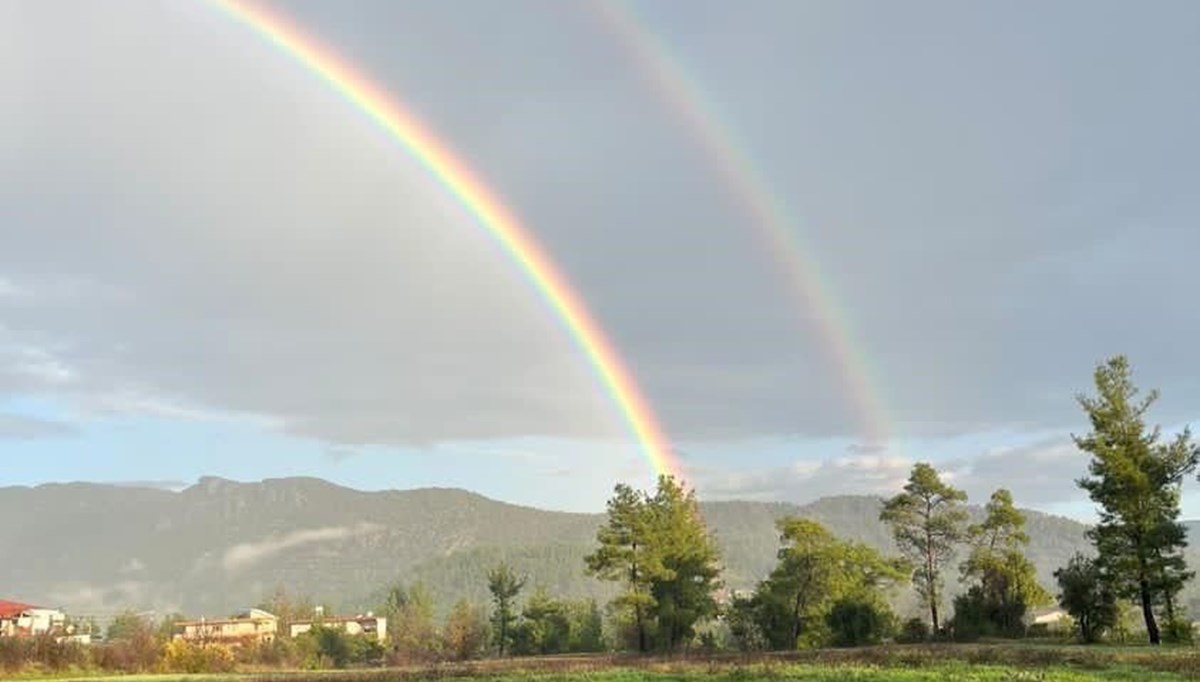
x=248, y=627
x=26, y=620
x=369, y=625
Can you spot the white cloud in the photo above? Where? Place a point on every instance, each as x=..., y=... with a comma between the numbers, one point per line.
x=807, y=479
x=245, y=555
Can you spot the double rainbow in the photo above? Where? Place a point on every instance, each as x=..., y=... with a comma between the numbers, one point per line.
x=490, y=213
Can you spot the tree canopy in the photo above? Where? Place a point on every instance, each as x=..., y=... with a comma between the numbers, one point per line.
x=927, y=521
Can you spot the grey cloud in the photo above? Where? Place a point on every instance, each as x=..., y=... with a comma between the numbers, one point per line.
x=20, y=427
x=1041, y=473
x=983, y=188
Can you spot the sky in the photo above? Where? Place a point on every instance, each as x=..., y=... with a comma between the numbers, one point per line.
x=212, y=264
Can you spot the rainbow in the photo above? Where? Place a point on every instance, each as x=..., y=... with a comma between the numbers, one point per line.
x=490, y=213
x=766, y=212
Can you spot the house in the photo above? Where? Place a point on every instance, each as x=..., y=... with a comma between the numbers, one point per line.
x=27, y=620
x=1050, y=617
x=370, y=625
x=247, y=627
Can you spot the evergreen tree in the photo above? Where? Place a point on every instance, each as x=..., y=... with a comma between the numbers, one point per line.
x=659, y=547
x=625, y=555
x=1136, y=480
x=927, y=521
x=504, y=586
x=687, y=553
x=1003, y=582
x=1085, y=593
x=815, y=571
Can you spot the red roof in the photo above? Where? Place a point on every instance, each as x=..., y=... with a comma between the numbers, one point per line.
x=11, y=609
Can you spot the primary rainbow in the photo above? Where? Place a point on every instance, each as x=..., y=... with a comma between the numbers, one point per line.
x=767, y=213
x=488, y=210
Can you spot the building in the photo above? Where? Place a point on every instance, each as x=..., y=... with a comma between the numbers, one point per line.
x=247, y=627
x=27, y=620
x=370, y=625
x=1050, y=617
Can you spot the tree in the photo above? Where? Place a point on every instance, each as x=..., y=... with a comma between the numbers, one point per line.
x=466, y=631
x=816, y=570
x=1084, y=592
x=587, y=626
x=624, y=556
x=857, y=621
x=411, y=625
x=504, y=586
x=688, y=555
x=659, y=547
x=1004, y=581
x=545, y=626
x=927, y=522
x=1136, y=480
x=287, y=607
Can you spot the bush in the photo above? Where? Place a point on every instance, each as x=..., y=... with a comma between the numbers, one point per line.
x=1178, y=631
x=43, y=652
x=180, y=656
x=976, y=615
x=913, y=631
x=858, y=622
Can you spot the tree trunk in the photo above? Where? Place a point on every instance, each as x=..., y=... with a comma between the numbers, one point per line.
x=1148, y=612
x=641, y=628
x=796, y=619
x=931, y=582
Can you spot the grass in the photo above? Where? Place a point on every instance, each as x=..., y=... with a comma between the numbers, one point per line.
x=1008, y=662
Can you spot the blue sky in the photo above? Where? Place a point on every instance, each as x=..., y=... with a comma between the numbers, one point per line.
x=213, y=266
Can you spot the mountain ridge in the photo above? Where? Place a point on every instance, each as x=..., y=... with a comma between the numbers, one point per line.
x=220, y=544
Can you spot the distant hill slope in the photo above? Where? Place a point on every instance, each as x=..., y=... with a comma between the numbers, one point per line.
x=221, y=545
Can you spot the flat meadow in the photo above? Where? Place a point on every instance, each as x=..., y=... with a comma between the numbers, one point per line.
x=917, y=663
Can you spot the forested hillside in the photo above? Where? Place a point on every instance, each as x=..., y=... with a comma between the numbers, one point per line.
x=221, y=545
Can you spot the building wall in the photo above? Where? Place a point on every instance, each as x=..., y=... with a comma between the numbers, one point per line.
x=256, y=629
x=33, y=622
x=373, y=626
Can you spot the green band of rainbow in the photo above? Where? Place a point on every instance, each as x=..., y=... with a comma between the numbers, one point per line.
x=488, y=210
x=767, y=215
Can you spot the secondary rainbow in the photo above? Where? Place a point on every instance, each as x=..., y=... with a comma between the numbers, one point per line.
x=767, y=214
x=490, y=213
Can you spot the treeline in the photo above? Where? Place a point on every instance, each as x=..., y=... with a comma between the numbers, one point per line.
x=656, y=551
x=828, y=591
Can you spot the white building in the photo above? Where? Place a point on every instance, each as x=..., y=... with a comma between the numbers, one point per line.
x=27, y=620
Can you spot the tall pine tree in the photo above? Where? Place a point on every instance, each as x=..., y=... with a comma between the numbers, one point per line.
x=1135, y=477
x=659, y=547
x=927, y=521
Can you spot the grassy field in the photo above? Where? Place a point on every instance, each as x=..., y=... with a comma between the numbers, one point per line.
x=970, y=663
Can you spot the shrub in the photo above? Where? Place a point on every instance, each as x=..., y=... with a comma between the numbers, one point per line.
x=858, y=622
x=1178, y=631
x=180, y=656
x=913, y=631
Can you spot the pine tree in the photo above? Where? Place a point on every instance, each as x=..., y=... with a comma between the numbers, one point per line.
x=659, y=547
x=1005, y=581
x=504, y=586
x=1136, y=480
x=927, y=522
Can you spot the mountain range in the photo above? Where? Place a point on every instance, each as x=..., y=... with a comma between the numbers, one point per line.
x=220, y=545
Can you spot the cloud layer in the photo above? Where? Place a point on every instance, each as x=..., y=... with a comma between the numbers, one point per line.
x=246, y=554
x=191, y=220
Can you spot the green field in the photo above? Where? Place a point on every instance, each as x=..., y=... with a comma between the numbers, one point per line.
x=983, y=663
